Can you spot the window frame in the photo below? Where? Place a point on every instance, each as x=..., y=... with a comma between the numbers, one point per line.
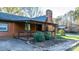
x=7, y=27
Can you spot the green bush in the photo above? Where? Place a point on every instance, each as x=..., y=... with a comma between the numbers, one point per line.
x=47, y=35
x=39, y=36
x=61, y=32
x=58, y=37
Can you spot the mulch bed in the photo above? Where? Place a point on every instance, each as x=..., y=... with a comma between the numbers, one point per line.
x=47, y=43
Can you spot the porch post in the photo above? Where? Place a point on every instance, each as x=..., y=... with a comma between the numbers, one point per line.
x=35, y=27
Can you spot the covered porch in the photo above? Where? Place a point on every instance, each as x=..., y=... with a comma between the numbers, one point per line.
x=32, y=26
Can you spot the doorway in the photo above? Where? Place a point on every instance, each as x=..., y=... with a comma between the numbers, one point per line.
x=39, y=27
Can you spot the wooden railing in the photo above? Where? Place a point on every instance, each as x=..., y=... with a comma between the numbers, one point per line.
x=27, y=35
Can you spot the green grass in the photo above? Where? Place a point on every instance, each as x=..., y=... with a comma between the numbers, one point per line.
x=71, y=37
x=76, y=49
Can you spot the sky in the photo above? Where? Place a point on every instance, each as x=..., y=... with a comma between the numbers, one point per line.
x=59, y=7
x=58, y=11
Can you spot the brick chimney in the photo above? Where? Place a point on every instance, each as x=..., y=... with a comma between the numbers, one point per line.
x=49, y=16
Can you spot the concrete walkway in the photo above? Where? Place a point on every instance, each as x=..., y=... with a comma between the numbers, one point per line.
x=19, y=45
x=14, y=45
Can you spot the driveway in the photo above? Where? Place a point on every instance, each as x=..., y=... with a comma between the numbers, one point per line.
x=14, y=45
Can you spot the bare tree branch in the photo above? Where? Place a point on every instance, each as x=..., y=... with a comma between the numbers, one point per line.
x=32, y=11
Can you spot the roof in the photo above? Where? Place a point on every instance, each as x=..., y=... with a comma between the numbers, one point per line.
x=11, y=17
x=40, y=18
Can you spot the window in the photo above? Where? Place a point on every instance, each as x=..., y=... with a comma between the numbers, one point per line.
x=3, y=27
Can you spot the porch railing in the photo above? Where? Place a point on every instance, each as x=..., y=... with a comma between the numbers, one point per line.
x=28, y=35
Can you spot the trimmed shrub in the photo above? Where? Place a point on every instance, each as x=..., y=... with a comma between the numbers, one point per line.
x=61, y=32
x=47, y=35
x=39, y=36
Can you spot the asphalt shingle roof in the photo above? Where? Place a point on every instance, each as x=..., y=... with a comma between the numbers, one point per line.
x=40, y=18
x=11, y=17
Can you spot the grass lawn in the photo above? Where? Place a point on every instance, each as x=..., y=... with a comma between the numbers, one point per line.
x=76, y=48
x=71, y=37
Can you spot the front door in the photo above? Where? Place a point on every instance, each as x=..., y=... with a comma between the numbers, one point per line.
x=38, y=27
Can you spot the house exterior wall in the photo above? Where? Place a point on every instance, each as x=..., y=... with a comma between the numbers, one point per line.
x=51, y=27
x=10, y=31
x=43, y=27
x=13, y=27
x=18, y=26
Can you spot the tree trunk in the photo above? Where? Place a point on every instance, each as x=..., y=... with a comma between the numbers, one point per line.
x=78, y=24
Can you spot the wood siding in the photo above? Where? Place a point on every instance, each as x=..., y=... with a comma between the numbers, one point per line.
x=13, y=28
x=10, y=31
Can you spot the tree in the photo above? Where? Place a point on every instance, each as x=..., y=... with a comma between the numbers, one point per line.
x=71, y=17
x=12, y=10
x=32, y=11
x=58, y=20
x=76, y=14
x=65, y=19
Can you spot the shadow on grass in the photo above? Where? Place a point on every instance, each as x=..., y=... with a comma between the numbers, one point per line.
x=66, y=38
x=75, y=48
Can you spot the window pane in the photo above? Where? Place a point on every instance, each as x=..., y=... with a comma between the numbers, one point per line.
x=3, y=27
